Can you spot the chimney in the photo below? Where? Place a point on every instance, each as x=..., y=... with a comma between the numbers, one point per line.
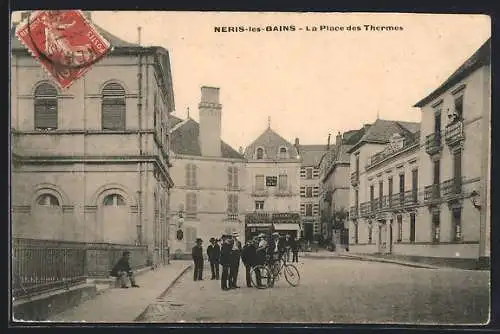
x=139, y=29
x=338, y=139
x=366, y=126
x=296, y=142
x=210, y=122
x=328, y=145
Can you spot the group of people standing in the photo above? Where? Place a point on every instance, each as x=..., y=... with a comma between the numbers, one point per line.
x=230, y=250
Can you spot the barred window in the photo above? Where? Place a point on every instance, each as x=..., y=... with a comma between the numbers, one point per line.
x=45, y=107
x=113, y=107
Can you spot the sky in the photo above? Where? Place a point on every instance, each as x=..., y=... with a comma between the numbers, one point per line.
x=310, y=83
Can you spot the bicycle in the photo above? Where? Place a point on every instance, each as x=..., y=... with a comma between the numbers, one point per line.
x=271, y=271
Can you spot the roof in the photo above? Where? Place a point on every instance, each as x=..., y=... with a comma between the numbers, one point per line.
x=382, y=130
x=112, y=39
x=271, y=142
x=185, y=140
x=173, y=121
x=311, y=154
x=480, y=58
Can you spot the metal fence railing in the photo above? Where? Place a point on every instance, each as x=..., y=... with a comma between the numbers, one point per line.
x=43, y=265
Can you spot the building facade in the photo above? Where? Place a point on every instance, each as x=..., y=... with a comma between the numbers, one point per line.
x=208, y=199
x=334, y=189
x=384, y=187
x=310, y=156
x=91, y=163
x=454, y=163
x=273, y=174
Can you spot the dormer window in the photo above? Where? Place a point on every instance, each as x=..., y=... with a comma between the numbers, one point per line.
x=283, y=153
x=260, y=153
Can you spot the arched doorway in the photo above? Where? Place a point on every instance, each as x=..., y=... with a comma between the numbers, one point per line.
x=48, y=218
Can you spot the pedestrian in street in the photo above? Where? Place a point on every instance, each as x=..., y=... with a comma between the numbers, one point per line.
x=213, y=253
x=197, y=254
x=248, y=255
x=225, y=261
x=294, y=244
x=235, y=261
x=122, y=271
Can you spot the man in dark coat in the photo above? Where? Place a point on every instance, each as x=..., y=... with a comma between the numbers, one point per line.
x=295, y=250
x=213, y=253
x=122, y=271
x=235, y=261
x=248, y=256
x=225, y=261
x=197, y=254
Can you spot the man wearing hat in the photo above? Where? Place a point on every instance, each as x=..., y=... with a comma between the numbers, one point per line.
x=197, y=254
x=213, y=253
x=235, y=261
x=225, y=261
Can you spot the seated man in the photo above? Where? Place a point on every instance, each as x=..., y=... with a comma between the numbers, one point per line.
x=122, y=270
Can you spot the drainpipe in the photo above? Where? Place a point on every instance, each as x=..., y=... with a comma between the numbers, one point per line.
x=141, y=165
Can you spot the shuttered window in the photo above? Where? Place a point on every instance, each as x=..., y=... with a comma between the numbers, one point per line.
x=232, y=177
x=232, y=203
x=191, y=205
x=113, y=107
x=283, y=182
x=45, y=107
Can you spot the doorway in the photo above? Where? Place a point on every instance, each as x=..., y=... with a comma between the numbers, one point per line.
x=308, y=231
x=382, y=236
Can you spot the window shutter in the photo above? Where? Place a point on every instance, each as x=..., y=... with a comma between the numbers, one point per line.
x=302, y=191
x=113, y=114
x=235, y=177
x=193, y=174
x=230, y=176
x=46, y=113
x=235, y=203
x=188, y=175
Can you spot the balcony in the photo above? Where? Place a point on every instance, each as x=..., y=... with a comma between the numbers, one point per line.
x=433, y=143
x=374, y=205
x=364, y=209
x=454, y=133
x=259, y=192
x=384, y=203
x=397, y=200
x=286, y=192
x=431, y=193
x=354, y=178
x=232, y=216
x=411, y=198
x=390, y=150
x=452, y=187
x=353, y=212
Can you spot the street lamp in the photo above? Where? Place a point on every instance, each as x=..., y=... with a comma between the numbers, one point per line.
x=474, y=197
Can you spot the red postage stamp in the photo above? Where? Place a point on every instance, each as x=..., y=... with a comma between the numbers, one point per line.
x=64, y=43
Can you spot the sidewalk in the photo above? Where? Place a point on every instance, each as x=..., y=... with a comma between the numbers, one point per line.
x=124, y=305
x=364, y=257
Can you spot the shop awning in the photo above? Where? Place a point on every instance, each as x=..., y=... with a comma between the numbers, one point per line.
x=287, y=227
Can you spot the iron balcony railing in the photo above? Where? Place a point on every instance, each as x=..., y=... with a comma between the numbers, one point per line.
x=389, y=151
x=364, y=209
x=354, y=178
x=431, y=193
x=397, y=200
x=43, y=265
x=452, y=187
x=433, y=143
x=384, y=202
x=374, y=205
x=454, y=133
x=284, y=192
x=411, y=197
x=259, y=192
x=232, y=216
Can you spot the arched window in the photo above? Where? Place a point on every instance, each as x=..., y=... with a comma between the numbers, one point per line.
x=45, y=107
x=283, y=154
x=47, y=200
x=114, y=200
x=260, y=153
x=113, y=107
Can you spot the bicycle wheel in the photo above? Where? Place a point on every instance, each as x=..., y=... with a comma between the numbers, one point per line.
x=292, y=275
x=266, y=278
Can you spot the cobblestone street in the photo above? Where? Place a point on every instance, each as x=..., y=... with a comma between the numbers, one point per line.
x=337, y=291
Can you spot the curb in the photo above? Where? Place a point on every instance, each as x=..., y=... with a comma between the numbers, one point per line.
x=169, y=287
x=359, y=258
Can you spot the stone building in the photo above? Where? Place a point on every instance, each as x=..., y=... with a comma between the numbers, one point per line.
x=272, y=177
x=334, y=185
x=454, y=164
x=309, y=189
x=91, y=163
x=383, y=194
x=208, y=199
